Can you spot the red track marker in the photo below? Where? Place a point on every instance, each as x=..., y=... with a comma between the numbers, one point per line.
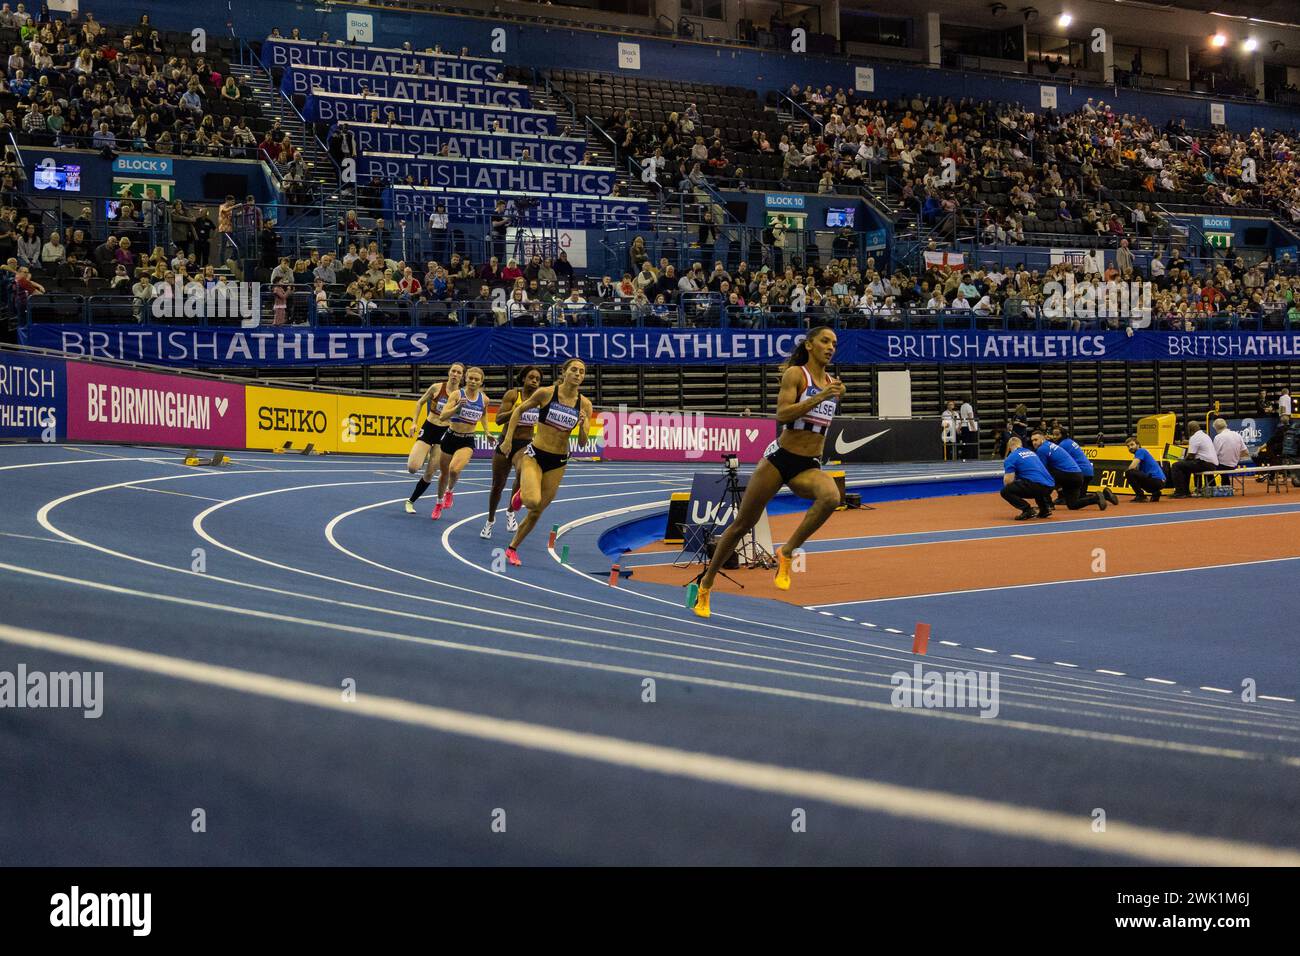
x=555, y=529
x=921, y=639
x=613, y=576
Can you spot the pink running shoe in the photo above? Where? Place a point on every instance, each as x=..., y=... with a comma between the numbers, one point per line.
x=516, y=501
x=437, y=512
x=446, y=500
x=513, y=557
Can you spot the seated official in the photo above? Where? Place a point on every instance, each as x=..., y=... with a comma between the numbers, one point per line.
x=1201, y=457
x=1066, y=474
x=1229, y=446
x=1024, y=476
x=1145, y=476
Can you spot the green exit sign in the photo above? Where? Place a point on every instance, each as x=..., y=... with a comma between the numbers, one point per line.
x=1218, y=240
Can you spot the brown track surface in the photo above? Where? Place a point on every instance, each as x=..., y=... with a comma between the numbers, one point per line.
x=880, y=572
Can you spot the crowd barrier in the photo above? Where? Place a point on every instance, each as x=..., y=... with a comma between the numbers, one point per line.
x=53, y=399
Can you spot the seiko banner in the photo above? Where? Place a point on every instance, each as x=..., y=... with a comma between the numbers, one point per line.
x=412, y=141
x=346, y=108
x=282, y=52
x=496, y=175
x=884, y=440
x=504, y=345
x=564, y=212
x=402, y=86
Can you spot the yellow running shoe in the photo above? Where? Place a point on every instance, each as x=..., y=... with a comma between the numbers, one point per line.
x=782, y=570
x=702, y=603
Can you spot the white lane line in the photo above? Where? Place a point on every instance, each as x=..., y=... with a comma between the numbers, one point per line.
x=843, y=618
x=1101, y=670
x=1049, y=584
x=951, y=643
x=1024, y=657
x=1079, y=685
x=828, y=613
x=913, y=803
x=1217, y=690
x=1158, y=680
x=1064, y=664
x=985, y=650
x=893, y=630
x=760, y=689
x=71, y=461
x=163, y=491
x=33, y=537
x=1058, y=702
x=868, y=624
x=1285, y=700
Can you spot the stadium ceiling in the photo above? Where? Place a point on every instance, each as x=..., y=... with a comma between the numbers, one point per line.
x=1275, y=24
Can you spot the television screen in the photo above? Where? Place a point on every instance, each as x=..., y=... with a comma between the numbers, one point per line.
x=111, y=208
x=839, y=217
x=63, y=178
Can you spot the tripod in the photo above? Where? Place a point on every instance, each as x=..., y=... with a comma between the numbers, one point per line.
x=696, y=541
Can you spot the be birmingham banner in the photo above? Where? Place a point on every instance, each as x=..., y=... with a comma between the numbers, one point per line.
x=288, y=347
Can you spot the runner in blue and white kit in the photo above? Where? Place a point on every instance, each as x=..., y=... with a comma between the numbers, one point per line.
x=424, y=453
x=462, y=413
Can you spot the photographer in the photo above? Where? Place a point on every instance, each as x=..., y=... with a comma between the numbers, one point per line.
x=500, y=220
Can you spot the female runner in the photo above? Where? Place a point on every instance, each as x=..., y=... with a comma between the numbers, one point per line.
x=462, y=414
x=424, y=453
x=526, y=382
x=807, y=402
x=561, y=408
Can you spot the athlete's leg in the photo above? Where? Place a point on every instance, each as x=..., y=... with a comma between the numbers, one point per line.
x=444, y=467
x=500, y=472
x=532, y=485
x=763, y=484
x=418, y=456
x=457, y=465
x=821, y=489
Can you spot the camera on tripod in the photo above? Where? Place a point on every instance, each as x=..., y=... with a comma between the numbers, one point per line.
x=731, y=465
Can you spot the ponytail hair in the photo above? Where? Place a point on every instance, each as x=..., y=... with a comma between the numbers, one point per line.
x=800, y=354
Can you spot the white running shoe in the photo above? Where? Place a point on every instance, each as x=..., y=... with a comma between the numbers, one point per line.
x=511, y=523
x=487, y=530
x=410, y=507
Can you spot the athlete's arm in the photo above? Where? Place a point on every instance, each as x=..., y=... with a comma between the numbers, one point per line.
x=422, y=401
x=584, y=420
x=536, y=400
x=453, y=405
x=788, y=408
x=508, y=402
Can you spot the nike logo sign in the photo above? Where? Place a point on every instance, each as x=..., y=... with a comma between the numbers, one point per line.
x=845, y=447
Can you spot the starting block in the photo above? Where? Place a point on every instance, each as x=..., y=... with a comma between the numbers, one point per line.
x=218, y=460
x=287, y=447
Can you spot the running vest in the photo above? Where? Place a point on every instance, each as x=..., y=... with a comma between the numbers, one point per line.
x=559, y=416
x=441, y=400
x=819, y=419
x=528, y=416
x=470, y=411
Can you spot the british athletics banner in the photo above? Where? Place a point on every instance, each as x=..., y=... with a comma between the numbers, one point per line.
x=289, y=347
x=416, y=141
x=495, y=175
x=284, y=52
x=347, y=108
x=402, y=86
